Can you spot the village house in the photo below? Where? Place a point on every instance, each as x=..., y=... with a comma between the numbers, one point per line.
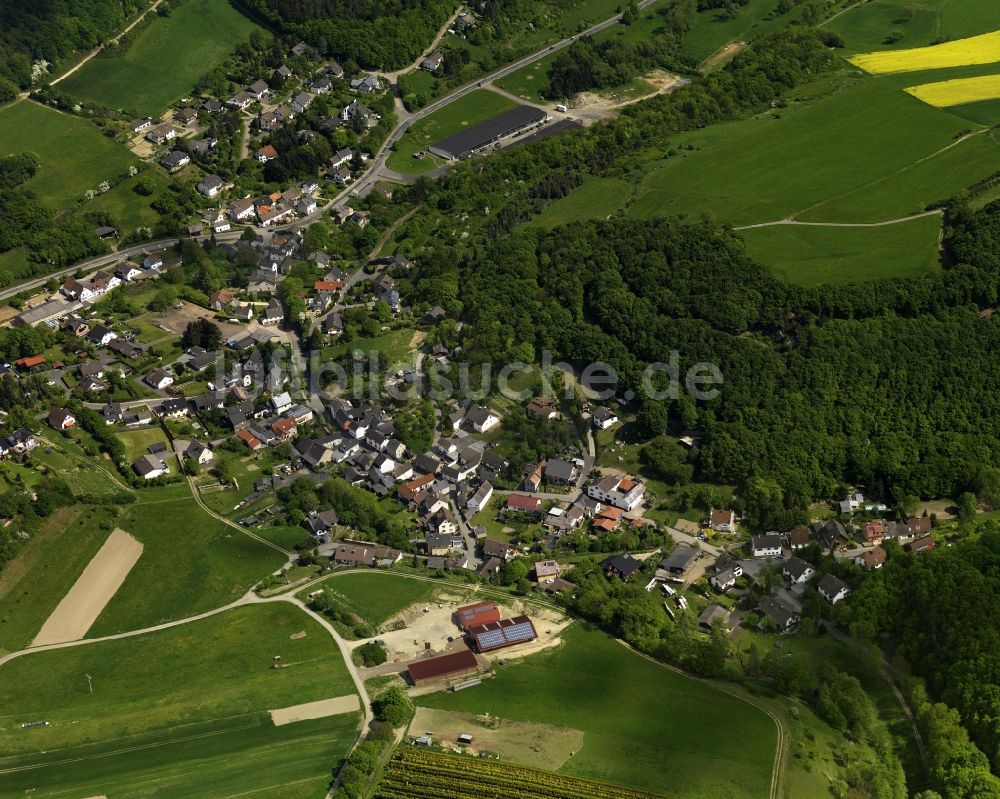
x=871, y=559
x=210, y=185
x=622, y=492
x=832, y=588
x=603, y=418
x=722, y=521
x=149, y=467
x=766, y=546
x=61, y=419
x=159, y=379
x=797, y=571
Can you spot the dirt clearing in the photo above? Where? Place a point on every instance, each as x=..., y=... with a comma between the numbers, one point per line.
x=437, y=625
x=590, y=103
x=721, y=56
x=176, y=319
x=543, y=746
x=316, y=710
x=92, y=590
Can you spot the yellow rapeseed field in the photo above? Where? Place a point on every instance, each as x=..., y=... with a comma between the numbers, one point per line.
x=984, y=49
x=959, y=91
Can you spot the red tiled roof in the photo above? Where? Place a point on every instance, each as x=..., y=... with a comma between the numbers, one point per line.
x=523, y=502
x=30, y=361
x=443, y=665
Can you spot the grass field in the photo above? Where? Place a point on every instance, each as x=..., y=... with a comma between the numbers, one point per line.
x=375, y=597
x=474, y=107
x=528, y=81
x=631, y=712
x=710, y=32
x=74, y=155
x=128, y=209
x=190, y=562
x=866, y=152
x=181, y=712
x=982, y=49
x=33, y=584
x=165, y=60
x=810, y=255
x=595, y=199
x=866, y=26
x=15, y=262
x=394, y=347
x=958, y=91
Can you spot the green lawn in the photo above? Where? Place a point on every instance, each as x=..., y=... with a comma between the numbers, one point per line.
x=45, y=569
x=375, y=596
x=137, y=441
x=15, y=262
x=190, y=562
x=165, y=60
x=632, y=712
x=595, y=199
x=181, y=712
x=74, y=155
x=474, y=107
x=810, y=256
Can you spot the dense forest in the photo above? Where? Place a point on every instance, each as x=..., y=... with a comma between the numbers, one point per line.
x=387, y=34
x=52, y=30
x=940, y=611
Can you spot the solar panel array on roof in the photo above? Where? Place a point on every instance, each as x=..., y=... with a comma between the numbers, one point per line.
x=506, y=632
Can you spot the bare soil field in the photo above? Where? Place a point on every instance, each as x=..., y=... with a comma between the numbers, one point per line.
x=316, y=710
x=544, y=746
x=94, y=588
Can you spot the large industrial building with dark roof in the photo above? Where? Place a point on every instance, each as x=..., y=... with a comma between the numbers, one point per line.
x=506, y=632
x=492, y=131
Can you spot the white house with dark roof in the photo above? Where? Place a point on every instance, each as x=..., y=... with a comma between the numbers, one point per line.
x=832, y=588
x=210, y=185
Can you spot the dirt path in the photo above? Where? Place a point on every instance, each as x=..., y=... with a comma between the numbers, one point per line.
x=721, y=56
x=390, y=230
x=228, y=522
x=316, y=710
x=92, y=590
x=900, y=220
x=100, y=47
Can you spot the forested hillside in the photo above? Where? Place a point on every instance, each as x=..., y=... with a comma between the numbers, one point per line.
x=372, y=33
x=941, y=611
x=52, y=30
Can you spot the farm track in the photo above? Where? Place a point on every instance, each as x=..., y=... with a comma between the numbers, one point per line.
x=900, y=220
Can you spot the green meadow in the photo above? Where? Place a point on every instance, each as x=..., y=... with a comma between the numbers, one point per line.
x=165, y=59
x=177, y=713
x=190, y=562
x=632, y=712
x=375, y=597
x=474, y=107
x=811, y=256
x=75, y=156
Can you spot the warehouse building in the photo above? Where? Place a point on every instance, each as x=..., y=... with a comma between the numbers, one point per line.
x=507, y=632
x=443, y=667
x=470, y=616
x=472, y=140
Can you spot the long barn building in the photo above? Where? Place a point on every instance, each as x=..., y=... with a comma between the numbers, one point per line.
x=485, y=134
x=506, y=632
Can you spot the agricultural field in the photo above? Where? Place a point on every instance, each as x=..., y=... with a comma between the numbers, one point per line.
x=474, y=107
x=375, y=596
x=982, y=49
x=811, y=256
x=413, y=774
x=165, y=59
x=74, y=155
x=864, y=152
x=45, y=569
x=661, y=719
x=190, y=562
x=182, y=712
x=957, y=91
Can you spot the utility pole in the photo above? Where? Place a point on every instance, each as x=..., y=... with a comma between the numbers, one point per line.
x=90, y=685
